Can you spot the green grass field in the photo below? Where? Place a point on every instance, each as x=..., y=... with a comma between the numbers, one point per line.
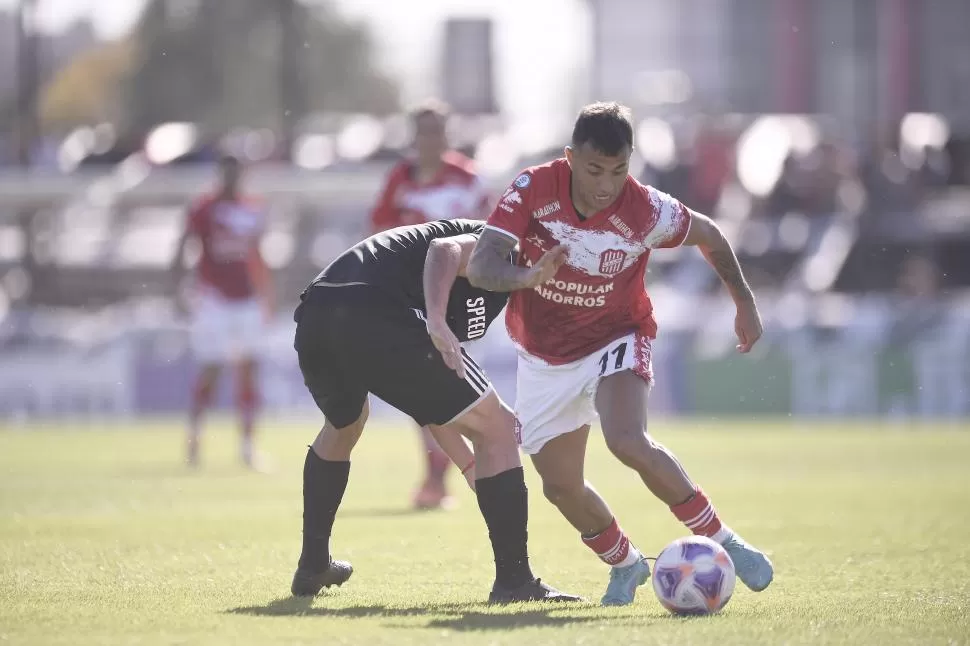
x=106, y=539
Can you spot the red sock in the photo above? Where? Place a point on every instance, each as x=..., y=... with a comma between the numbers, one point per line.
x=612, y=546
x=700, y=517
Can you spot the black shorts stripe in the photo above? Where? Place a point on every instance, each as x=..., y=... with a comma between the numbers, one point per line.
x=474, y=375
x=474, y=367
x=474, y=381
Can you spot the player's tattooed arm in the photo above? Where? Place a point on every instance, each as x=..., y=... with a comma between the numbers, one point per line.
x=708, y=237
x=489, y=267
x=712, y=243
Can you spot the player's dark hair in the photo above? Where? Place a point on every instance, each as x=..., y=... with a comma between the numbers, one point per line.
x=431, y=107
x=606, y=127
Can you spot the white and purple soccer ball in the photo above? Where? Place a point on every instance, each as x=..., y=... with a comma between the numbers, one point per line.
x=694, y=576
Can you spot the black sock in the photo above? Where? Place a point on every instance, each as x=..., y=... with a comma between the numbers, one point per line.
x=324, y=483
x=504, y=502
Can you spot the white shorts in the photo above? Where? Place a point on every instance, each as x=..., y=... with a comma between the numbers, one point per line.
x=555, y=400
x=223, y=330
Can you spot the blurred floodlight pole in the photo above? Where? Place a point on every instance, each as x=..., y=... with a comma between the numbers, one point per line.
x=26, y=48
x=290, y=58
x=27, y=128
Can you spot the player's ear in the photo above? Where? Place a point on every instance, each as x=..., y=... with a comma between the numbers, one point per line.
x=568, y=152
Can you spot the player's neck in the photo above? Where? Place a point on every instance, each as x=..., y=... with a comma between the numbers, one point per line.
x=426, y=170
x=582, y=210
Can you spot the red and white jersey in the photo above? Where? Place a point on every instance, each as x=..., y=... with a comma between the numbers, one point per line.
x=599, y=294
x=455, y=192
x=229, y=231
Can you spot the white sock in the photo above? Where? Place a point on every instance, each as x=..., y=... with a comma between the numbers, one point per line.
x=722, y=535
x=632, y=556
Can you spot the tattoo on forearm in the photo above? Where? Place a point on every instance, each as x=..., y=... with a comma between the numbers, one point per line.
x=489, y=267
x=725, y=263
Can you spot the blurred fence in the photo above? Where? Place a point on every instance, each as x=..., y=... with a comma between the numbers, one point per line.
x=87, y=328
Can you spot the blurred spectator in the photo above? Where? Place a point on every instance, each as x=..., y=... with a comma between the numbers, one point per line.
x=434, y=183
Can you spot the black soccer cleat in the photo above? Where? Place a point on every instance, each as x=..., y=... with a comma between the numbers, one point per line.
x=534, y=590
x=308, y=584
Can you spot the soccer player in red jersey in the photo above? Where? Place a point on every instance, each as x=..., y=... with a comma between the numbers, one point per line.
x=584, y=337
x=435, y=183
x=233, y=299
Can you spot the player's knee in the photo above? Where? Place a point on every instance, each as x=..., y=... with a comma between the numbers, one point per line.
x=634, y=449
x=489, y=423
x=357, y=426
x=562, y=491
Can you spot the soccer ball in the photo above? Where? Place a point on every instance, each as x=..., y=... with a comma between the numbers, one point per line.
x=694, y=576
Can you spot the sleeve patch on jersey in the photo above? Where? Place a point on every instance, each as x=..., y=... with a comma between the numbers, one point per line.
x=522, y=181
x=672, y=222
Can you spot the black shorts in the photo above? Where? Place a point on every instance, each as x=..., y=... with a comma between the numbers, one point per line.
x=355, y=340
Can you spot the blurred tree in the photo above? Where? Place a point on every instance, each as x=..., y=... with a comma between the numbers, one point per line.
x=258, y=63
x=85, y=91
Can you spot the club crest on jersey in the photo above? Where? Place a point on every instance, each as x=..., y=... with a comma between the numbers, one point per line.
x=611, y=261
x=522, y=181
x=548, y=209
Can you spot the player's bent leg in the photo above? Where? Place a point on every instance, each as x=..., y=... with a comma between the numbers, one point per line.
x=457, y=450
x=621, y=400
x=203, y=393
x=325, y=475
x=489, y=425
x=560, y=463
x=433, y=493
x=504, y=501
x=336, y=444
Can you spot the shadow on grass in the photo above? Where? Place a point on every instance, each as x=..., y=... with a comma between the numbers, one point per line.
x=383, y=512
x=453, y=616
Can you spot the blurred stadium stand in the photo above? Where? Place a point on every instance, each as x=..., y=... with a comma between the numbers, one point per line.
x=840, y=173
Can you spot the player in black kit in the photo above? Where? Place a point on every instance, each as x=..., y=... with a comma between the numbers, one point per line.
x=388, y=317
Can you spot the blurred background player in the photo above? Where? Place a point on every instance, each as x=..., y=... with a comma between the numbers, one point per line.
x=231, y=302
x=434, y=183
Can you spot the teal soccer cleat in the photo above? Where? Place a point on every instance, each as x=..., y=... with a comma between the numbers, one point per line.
x=752, y=566
x=624, y=583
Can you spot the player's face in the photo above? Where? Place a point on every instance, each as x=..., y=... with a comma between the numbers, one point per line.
x=429, y=137
x=597, y=178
